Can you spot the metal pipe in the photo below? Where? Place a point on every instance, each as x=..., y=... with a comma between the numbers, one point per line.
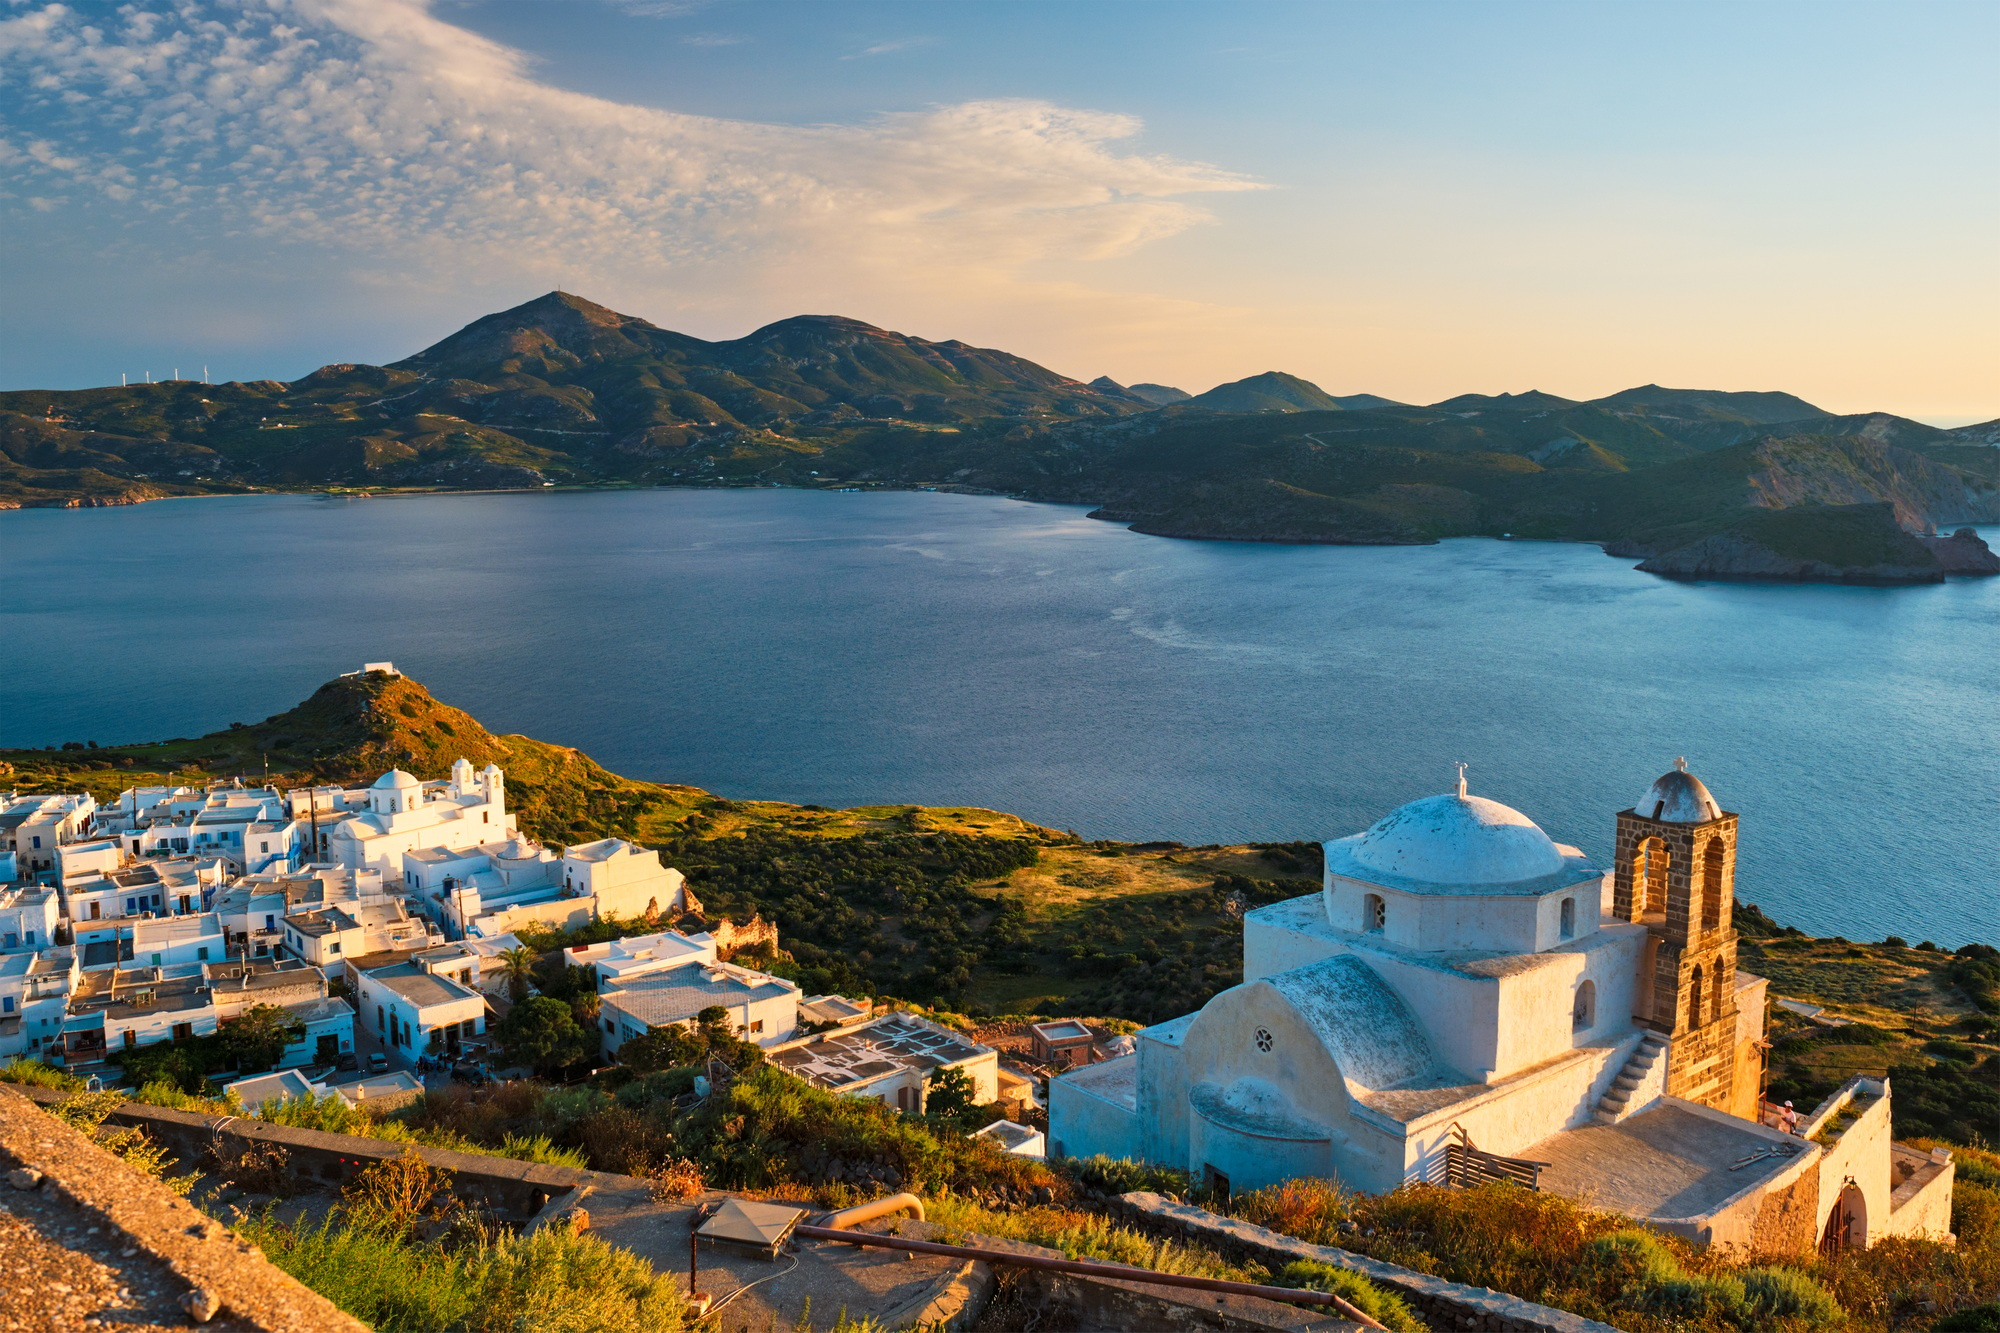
x=1085, y=1268
x=868, y=1212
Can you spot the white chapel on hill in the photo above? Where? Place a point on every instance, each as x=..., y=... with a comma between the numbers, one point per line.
x=1466, y=993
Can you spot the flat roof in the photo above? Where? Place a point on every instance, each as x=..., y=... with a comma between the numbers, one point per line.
x=419, y=987
x=1672, y=1161
x=889, y=1044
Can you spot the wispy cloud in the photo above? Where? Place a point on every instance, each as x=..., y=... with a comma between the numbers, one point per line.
x=713, y=39
x=375, y=124
x=890, y=47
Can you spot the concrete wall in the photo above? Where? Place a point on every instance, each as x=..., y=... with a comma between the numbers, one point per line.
x=1162, y=1093
x=1920, y=1206
x=1514, y=1117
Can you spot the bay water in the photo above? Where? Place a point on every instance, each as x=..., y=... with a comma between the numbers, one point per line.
x=844, y=648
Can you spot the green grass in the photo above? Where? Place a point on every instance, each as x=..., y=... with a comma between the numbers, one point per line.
x=553, y=1281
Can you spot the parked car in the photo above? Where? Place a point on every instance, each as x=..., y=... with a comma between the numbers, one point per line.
x=348, y=1063
x=378, y=1063
x=467, y=1072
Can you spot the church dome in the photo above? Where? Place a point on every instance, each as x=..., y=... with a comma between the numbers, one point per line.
x=395, y=780
x=1456, y=839
x=1678, y=798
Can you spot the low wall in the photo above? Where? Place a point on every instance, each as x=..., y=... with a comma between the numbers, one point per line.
x=501, y=1183
x=1448, y=1304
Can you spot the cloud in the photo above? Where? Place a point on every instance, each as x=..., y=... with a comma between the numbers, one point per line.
x=886, y=48
x=374, y=127
x=713, y=39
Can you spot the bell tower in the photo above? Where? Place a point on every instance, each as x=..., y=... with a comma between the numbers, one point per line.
x=1676, y=874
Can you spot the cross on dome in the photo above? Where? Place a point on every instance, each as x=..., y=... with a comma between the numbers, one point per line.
x=1461, y=782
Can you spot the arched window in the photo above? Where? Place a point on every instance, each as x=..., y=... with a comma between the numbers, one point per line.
x=1716, y=1006
x=1583, y=1014
x=1374, y=913
x=1568, y=923
x=1695, y=997
x=1711, y=885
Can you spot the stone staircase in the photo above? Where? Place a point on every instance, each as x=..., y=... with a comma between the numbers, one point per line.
x=1611, y=1106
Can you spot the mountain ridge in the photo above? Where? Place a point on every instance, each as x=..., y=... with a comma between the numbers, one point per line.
x=562, y=391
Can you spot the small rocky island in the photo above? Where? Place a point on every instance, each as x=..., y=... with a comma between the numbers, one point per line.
x=1859, y=543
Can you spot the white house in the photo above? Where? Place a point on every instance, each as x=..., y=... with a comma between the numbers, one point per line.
x=762, y=1008
x=28, y=915
x=419, y=1012
x=620, y=962
x=33, y=827
x=329, y=936
x=34, y=1000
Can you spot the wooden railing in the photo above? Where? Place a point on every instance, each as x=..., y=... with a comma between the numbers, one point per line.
x=1464, y=1166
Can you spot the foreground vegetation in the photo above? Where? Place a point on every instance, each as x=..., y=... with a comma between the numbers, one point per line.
x=400, y=1254
x=1545, y=1248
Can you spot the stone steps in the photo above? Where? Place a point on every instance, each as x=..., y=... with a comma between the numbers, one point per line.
x=1611, y=1106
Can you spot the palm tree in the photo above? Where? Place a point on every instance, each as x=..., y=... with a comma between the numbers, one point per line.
x=519, y=963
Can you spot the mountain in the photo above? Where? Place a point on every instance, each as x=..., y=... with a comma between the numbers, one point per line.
x=560, y=390
x=1159, y=395
x=557, y=390
x=1768, y=409
x=1272, y=391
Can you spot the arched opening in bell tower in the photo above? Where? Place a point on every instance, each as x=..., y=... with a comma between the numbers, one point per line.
x=1696, y=995
x=1649, y=877
x=1711, y=885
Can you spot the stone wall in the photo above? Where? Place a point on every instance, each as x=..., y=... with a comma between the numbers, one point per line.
x=502, y=1183
x=1446, y=1304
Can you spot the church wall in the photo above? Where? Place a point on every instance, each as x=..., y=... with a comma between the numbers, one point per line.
x=1537, y=1001
x=1747, y=1088
x=1511, y=1119
x=1163, y=1093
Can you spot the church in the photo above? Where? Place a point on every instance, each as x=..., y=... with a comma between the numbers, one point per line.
x=1466, y=998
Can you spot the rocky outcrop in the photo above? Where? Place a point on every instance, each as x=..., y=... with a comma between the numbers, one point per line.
x=1859, y=543
x=1963, y=553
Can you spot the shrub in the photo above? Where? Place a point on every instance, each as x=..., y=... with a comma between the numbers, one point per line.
x=1979, y=1319
x=34, y=1073
x=1385, y=1308
x=554, y=1281
x=1706, y=1300
x=1786, y=1293
x=1631, y=1261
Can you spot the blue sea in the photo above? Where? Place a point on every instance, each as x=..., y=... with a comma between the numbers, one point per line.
x=847, y=648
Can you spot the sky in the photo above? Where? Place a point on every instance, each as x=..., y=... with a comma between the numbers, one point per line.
x=1412, y=199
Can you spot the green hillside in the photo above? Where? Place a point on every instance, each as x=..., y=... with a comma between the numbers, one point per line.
x=563, y=392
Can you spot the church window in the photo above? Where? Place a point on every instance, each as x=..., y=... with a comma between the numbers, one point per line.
x=1374, y=912
x=1584, y=1012
x=1721, y=993
x=1695, y=998
x=1569, y=918
x=1263, y=1036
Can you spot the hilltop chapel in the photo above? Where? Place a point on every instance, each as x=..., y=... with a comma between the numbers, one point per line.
x=1468, y=999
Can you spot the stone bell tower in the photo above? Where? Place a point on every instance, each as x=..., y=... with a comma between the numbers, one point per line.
x=1676, y=873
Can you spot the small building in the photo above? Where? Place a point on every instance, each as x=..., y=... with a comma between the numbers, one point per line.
x=328, y=1035
x=1018, y=1139
x=420, y=1012
x=122, y=1009
x=1065, y=1044
x=890, y=1059
x=837, y=1011
x=28, y=915
x=762, y=1008
x=327, y=936
x=379, y=1092
x=619, y=963
x=34, y=1001
x=283, y=1085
